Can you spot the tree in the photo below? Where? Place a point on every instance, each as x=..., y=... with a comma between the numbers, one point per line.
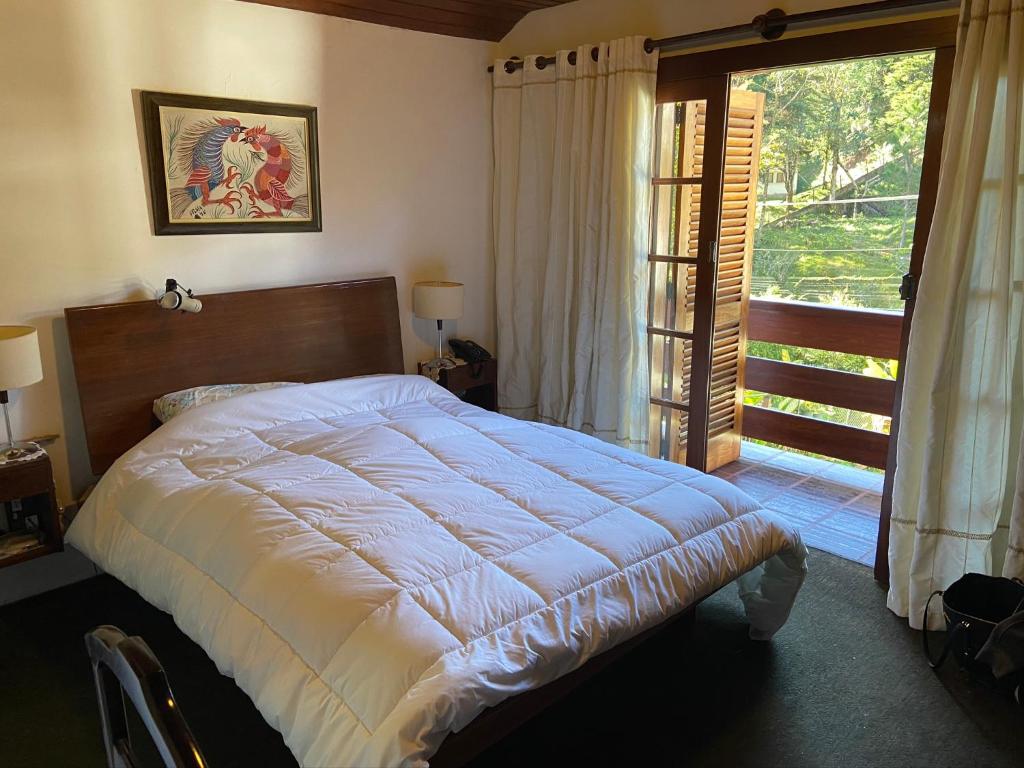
x=907, y=82
x=785, y=142
x=844, y=100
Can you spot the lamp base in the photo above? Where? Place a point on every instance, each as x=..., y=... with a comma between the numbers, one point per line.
x=435, y=366
x=19, y=452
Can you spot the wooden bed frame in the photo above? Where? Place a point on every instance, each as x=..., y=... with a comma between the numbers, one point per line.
x=127, y=355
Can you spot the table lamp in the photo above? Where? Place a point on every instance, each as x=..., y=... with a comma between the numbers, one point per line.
x=20, y=366
x=437, y=300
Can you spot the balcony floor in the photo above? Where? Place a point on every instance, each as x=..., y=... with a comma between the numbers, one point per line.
x=835, y=506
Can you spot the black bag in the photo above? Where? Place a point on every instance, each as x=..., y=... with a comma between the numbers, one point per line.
x=984, y=629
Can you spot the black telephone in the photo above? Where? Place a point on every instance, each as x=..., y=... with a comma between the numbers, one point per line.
x=468, y=350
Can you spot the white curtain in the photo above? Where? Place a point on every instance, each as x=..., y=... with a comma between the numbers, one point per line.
x=572, y=190
x=958, y=503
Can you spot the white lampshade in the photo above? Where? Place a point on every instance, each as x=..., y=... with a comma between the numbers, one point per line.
x=437, y=300
x=19, y=357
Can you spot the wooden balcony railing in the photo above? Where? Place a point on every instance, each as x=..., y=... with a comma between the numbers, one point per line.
x=855, y=331
x=802, y=324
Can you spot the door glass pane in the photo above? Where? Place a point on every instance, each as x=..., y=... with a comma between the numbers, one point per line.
x=840, y=171
x=676, y=215
x=838, y=182
x=667, y=127
x=674, y=284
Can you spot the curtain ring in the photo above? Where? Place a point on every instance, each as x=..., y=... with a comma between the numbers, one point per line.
x=770, y=25
x=572, y=58
x=510, y=67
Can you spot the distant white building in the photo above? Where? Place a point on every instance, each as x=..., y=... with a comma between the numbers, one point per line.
x=777, y=185
x=846, y=176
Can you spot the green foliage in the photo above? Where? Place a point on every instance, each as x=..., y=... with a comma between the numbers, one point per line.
x=906, y=86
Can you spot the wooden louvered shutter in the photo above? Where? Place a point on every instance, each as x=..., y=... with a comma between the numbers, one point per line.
x=735, y=253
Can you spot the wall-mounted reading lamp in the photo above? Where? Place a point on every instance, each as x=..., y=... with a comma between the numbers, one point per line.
x=177, y=297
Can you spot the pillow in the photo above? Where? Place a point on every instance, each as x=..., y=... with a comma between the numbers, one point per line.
x=169, y=406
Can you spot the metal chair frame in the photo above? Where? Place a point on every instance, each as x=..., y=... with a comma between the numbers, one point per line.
x=126, y=665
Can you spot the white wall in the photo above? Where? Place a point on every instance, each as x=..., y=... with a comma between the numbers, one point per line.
x=591, y=21
x=405, y=163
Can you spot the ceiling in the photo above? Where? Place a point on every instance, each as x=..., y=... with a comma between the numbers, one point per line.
x=478, y=19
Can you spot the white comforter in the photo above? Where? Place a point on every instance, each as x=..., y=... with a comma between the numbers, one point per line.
x=375, y=562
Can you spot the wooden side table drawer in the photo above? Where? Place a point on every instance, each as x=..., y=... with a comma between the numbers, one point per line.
x=30, y=483
x=465, y=377
x=26, y=478
x=475, y=383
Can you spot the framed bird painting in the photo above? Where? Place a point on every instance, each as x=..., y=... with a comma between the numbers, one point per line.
x=229, y=166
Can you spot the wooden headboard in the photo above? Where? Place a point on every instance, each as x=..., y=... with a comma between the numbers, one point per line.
x=127, y=355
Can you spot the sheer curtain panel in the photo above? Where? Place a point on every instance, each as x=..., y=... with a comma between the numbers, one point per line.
x=572, y=195
x=958, y=501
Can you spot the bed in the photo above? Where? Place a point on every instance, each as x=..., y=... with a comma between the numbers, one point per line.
x=392, y=575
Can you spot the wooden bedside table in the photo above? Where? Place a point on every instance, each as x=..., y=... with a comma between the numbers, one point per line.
x=27, y=494
x=475, y=383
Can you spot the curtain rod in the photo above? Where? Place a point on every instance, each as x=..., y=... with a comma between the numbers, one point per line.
x=770, y=25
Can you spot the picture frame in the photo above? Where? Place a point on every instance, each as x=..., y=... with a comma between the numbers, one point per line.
x=230, y=166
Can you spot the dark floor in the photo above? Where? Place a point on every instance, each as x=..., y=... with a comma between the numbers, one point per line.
x=843, y=684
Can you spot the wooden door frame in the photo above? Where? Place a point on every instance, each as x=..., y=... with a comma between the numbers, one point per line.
x=934, y=34
x=942, y=76
x=883, y=40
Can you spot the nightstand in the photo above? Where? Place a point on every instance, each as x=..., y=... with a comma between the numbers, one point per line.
x=475, y=383
x=29, y=512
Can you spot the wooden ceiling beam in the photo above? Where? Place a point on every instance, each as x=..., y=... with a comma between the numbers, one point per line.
x=476, y=19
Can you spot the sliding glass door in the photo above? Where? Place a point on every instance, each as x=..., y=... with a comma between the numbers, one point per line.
x=839, y=212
